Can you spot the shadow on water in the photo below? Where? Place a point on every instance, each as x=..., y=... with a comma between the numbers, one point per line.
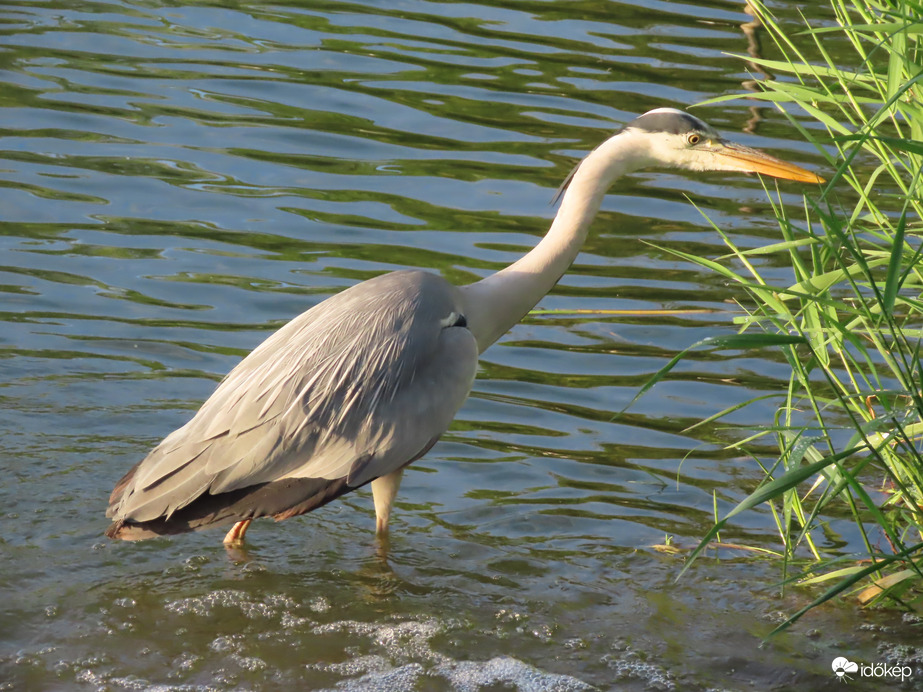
x=178, y=180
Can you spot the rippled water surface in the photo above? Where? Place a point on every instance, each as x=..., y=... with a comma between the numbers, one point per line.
x=179, y=179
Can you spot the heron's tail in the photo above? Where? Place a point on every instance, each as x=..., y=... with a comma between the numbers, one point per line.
x=278, y=499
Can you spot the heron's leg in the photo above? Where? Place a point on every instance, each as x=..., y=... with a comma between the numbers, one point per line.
x=383, y=491
x=236, y=534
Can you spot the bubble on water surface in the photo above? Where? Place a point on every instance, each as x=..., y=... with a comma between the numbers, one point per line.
x=231, y=643
x=407, y=651
x=267, y=606
x=472, y=676
x=290, y=621
x=357, y=666
x=391, y=656
x=319, y=605
x=250, y=663
x=630, y=667
x=408, y=639
x=402, y=679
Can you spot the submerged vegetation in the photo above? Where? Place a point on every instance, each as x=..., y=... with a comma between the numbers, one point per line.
x=849, y=427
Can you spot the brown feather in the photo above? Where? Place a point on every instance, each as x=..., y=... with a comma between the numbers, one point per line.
x=279, y=499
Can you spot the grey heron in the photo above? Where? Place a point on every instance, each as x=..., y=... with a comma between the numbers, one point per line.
x=364, y=383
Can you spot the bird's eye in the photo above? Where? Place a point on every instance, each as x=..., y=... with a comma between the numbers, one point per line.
x=693, y=139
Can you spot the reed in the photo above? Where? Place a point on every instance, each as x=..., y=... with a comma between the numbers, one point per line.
x=849, y=427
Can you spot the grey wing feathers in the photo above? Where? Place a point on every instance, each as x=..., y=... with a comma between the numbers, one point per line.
x=352, y=389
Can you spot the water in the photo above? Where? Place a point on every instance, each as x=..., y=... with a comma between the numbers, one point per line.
x=180, y=179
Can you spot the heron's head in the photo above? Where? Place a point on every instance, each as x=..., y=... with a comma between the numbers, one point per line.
x=674, y=138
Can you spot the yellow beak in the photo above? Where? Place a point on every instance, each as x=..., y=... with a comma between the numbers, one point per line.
x=741, y=158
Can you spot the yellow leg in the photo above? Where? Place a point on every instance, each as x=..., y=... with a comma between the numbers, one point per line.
x=383, y=491
x=381, y=526
x=236, y=534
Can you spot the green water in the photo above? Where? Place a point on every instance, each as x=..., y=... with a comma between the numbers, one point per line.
x=179, y=179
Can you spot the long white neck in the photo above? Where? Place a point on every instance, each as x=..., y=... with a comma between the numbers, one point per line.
x=494, y=304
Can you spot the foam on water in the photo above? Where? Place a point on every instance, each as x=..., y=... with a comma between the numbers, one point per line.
x=408, y=639
x=401, y=679
x=407, y=644
x=471, y=676
x=268, y=606
x=251, y=630
x=628, y=666
x=466, y=676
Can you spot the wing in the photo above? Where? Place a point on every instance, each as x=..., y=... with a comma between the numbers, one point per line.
x=353, y=389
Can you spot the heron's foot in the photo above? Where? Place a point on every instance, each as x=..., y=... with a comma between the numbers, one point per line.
x=382, y=542
x=235, y=536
